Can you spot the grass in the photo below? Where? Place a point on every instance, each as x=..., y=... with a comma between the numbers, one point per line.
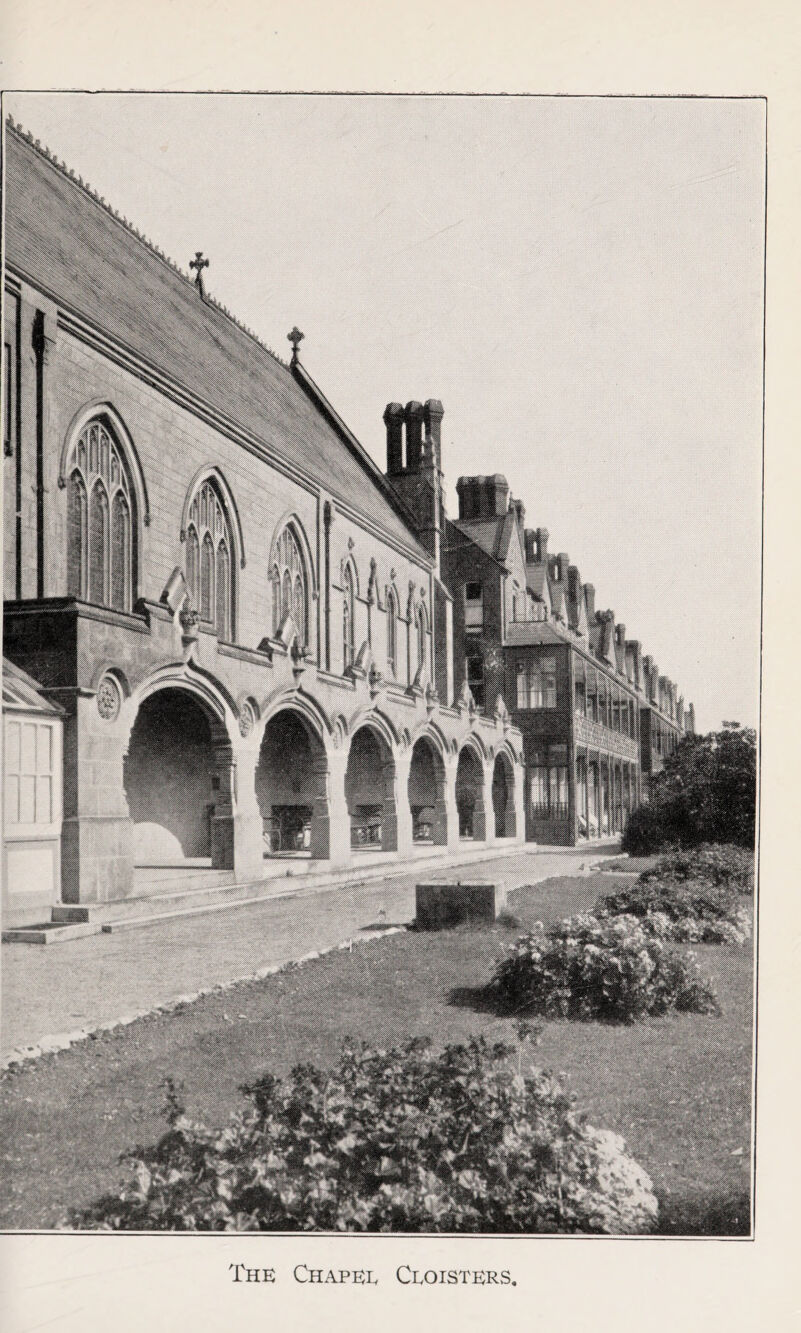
x=676, y=1088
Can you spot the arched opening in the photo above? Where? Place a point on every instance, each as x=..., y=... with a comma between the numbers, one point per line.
x=291, y=780
x=503, y=797
x=426, y=791
x=370, y=793
x=172, y=779
x=470, y=796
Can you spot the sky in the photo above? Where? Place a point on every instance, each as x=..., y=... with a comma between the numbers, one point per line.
x=579, y=280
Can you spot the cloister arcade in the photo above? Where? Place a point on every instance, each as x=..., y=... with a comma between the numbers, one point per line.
x=209, y=783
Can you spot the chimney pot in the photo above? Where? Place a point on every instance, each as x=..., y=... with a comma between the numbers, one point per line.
x=542, y=545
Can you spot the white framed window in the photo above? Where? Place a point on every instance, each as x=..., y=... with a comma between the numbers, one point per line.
x=32, y=778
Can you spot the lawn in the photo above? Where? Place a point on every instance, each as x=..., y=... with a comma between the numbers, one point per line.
x=677, y=1088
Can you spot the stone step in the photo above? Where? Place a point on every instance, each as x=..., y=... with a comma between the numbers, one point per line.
x=51, y=932
x=146, y=909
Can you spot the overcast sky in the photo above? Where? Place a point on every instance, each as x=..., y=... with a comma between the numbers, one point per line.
x=578, y=279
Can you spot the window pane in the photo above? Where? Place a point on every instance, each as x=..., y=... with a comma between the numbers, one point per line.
x=223, y=592
x=98, y=545
x=207, y=580
x=77, y=537
x=27, y=803
x=12, y=798
x=13, y=743
x=44, y=800
x=28, y=764
x=120, y=553
x=44, y=749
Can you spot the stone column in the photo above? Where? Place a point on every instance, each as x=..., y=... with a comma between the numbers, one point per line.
x=446, y=815
x=247, y=823
x=330, y=828
x=97, y=831
x=404, y=833
x=391, y=804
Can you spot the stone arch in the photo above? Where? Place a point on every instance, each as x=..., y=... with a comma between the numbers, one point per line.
x=470, y=791
x=503, y=794
x=178, y=773
x=371, y=786
x=426, y=789
x=291, y=781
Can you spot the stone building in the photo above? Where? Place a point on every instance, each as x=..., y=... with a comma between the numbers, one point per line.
x=241, y=619
x=596, y=717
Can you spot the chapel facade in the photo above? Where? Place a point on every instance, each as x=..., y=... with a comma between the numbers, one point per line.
x=242, y=623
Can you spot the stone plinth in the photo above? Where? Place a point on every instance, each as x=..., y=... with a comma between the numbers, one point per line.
x=444, y=904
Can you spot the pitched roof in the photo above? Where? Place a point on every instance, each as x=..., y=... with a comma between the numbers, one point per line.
x=70, y=245
x=494, y=535
x=21, y=691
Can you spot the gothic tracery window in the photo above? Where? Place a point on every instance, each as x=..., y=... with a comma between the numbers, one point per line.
x=100, y=521
x=290, y=584
x=348, y=609
x=209, y=568
x=422, y=636
x=392, y=633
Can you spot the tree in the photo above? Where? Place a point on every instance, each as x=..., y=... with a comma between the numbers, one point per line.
x=705, y=793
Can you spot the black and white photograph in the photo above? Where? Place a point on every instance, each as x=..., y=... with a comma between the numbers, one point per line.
x=382, y=517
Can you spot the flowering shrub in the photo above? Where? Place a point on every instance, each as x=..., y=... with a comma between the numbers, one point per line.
x=684, y=911
x=401, y=1140
x=711, y=863
x=590, y=967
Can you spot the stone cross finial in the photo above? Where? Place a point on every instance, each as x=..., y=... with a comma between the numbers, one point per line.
x=295, y=337
x=199, y=263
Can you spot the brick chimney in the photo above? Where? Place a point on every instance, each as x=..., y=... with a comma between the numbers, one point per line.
x=413, y=415
x=542, y=546
x=620, y=635
x=393, y=420
x=520, y=512
x=563, y=562
x=415, y=471
x=433, y=412
x=636, y=649
x=483, y=497
x=589, y=599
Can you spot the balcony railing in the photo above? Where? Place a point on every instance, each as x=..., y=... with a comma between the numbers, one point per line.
x=555, y=810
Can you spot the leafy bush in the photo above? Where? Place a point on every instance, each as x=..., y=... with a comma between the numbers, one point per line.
x=590, y=967
x=401, y=1140
x=705, y=793
x=711, y=863
x=682, y=912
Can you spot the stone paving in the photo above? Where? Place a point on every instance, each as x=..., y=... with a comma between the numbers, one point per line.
x=85, y=984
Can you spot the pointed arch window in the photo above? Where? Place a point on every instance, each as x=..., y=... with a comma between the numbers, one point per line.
x=209, y=568
x=392, y=632
x=290, y=582
x=348, y=610
x=422, y=636
x=100, y=529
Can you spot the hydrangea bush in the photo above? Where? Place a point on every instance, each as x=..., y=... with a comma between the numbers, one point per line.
x=591, y=967
x=712, y=863
x=404, y=1140
x=692, y=897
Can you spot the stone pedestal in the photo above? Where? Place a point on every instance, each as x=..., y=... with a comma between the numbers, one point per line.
x=441, y=905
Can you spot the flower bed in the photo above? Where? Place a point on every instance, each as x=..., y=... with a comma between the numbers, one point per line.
x=403, y=1140
x=609, y=968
